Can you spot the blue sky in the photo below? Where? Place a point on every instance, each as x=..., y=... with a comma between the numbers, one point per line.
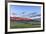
x=27, y=10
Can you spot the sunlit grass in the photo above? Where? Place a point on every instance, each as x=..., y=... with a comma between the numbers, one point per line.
x=17, y=24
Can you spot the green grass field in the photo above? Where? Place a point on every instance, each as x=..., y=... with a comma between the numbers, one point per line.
x=24, y=24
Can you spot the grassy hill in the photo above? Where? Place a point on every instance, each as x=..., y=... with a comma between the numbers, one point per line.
x=25, y=24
